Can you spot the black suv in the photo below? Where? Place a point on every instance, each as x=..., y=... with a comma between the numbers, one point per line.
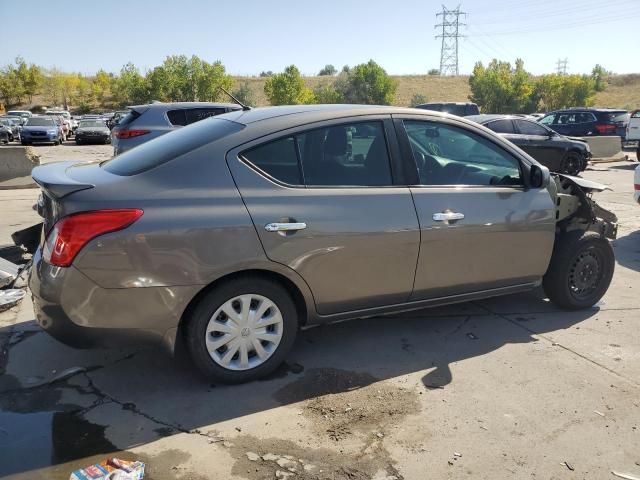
x=583, y=122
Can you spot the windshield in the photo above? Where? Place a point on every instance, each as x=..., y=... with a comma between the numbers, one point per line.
x=40, y=122
x=91, y=124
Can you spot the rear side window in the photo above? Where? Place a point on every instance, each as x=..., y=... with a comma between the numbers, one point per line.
x=530, y=128
x=167, y=147
x=177, y=117
x=340, y=155
x=616, y=117
x=278, y=160
x=197, y=114
x=501, y=126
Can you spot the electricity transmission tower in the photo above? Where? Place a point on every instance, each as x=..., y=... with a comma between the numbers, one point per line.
x=561, y=66
x=450, y=34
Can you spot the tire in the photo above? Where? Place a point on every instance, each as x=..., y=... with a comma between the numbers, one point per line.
x=201, y=320
x=588, y=254
x=78, y=142
x=571, y=164
x=11, y=138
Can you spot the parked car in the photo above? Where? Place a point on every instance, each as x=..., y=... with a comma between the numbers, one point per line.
x=13, y=124
x=5, y=133
x=66, y=120
x=41, y=130
x=146, y=122
x=23, y=114
x=92, y=131
x=556, y=152
x=585, y=122
x=636, y=184
x=633, y=131
x=231, y=233
x=62, y=126
x=460, y=109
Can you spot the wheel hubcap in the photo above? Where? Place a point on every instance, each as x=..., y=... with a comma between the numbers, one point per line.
x=244, y=332
x=585, y=274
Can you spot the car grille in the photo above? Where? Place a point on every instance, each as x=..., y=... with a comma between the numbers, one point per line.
x=38, y=134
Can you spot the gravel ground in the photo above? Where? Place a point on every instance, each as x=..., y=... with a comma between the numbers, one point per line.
x=509, y=387
x=70, y=151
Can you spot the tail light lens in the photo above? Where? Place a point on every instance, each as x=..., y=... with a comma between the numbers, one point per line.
x=605, y=128
x=636, y=186
x=70, y=234
x=123, y=134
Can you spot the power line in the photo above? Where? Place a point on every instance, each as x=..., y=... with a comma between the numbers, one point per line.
x=450, y=25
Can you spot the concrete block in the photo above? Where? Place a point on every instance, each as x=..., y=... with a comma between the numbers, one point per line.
x=605, y=146
x=17, y=161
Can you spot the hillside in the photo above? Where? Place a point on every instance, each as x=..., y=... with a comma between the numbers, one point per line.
x=623, y=91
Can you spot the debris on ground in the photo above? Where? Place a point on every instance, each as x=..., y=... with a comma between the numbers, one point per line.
x=626, y=476
x=10, y=298
x=598, y=413
x=568, y=465
x=12, y=253
x=8, y=272
x=472, y=336
x=111, y=469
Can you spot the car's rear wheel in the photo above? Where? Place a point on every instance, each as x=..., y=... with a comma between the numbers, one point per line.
x=241, y=330
x=571, y=164
x=580, y=271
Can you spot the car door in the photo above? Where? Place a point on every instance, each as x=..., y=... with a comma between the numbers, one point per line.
x=327, y=201
x=481, y=227
x=542, y=144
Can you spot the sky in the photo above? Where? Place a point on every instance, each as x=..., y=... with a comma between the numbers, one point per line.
x=250, y=36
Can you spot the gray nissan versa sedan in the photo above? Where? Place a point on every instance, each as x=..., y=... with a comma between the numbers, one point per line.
x=228, y=235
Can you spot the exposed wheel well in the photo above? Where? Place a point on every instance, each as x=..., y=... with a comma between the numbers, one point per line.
x=296, y=295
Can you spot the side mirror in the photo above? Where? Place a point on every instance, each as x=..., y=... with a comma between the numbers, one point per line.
x=539, y=176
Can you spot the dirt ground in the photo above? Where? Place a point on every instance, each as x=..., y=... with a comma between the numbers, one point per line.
x=504, y=388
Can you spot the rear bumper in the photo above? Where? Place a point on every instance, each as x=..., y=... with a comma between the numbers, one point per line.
x=79, y=313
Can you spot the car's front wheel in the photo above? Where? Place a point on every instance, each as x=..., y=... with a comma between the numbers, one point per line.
x=242, y=330
x=580, y=271
x=571, y=164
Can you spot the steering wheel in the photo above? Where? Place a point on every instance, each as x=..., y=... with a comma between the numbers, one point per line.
x=428, y=168
x=434, y=149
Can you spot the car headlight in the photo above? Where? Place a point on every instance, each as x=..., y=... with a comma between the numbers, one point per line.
x=52, y=132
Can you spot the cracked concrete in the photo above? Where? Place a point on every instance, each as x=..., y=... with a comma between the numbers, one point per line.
x=511, y=385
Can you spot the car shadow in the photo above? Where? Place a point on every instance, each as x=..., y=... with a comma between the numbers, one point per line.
x=627, y=249
x=630, y=166
x=144, y=394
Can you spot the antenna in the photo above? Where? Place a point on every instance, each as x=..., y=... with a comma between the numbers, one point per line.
x=244, y=107
x=450, y=34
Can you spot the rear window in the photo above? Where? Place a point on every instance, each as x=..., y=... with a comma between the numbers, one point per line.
x=616, y=117
x=167, y=147
x=187, y=116
x=40, y=122
x=128, y=118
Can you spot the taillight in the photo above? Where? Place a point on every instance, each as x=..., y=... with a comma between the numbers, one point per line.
x=605, y=128
x=122, y=134
x=636, y=186
x=70, y=234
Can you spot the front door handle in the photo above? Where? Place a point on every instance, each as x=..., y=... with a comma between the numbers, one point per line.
x=447, y=216
x=285, y=227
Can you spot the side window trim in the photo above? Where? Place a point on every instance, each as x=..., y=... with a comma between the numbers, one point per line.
x=390, y=138
x=411, y=164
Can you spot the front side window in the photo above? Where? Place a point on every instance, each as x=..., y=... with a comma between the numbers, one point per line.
x=448, y=155
x=352, y=154
x=530, y=128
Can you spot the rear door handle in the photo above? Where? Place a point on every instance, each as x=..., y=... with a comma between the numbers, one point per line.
x=285, y=227
x=447, y=216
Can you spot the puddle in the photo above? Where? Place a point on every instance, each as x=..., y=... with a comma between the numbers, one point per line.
x=49, y=438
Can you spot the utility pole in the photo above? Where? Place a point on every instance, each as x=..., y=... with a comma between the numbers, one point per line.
x=561, y=66
x=450, y=24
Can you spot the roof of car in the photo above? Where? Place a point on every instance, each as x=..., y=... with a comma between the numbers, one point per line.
x=487, y=117
x=587, y=109
x=246, y=117
x=177, y=105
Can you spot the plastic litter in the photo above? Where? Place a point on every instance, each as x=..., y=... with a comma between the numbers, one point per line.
x=8, y=272
x=111, y=469
x=10, y=298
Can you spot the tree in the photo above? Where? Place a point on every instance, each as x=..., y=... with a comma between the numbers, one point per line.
x=268, y=73
x=101, y=86
x=418, y=99
x=327, y=93
x=600, y=77
x=433, y=71
x=499, y=88
x=562, y=91
x=328, y=70
x=131, y=87
x=288, y=88
x=244, y=94
x=367, y=83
